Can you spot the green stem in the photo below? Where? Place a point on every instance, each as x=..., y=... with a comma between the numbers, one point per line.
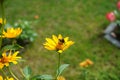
x=85, y=74
x=3, y=19
x=12, y=73
x=21, y=71
x=13, y=43
x=59, y=54
x=4, y=73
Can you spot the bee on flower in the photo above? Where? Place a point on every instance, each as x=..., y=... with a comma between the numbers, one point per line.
x=58, y=43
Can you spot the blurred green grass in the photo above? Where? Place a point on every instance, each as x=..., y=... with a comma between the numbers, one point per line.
x=81, y=20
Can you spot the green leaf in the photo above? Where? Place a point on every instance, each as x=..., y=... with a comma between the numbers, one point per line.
x=42, y=77
x=62, y=68
x=11, y=47
x=27, y=72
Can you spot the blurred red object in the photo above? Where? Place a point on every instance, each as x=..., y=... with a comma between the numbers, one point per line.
x=118, y=5
x=111, y=16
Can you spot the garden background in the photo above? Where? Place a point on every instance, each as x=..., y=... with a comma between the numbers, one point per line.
x=83, y=21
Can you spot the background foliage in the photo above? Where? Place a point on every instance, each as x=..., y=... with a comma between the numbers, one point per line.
x=83, y=21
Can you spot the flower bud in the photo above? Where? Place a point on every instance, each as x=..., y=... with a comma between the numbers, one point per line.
x=111, y=16
x=118, y=5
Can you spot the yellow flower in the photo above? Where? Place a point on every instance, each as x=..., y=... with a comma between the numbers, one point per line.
x=86, y=63
x=12, y=33
x=9, y=78
x=1, y=78
x=58, y=43
x=4, y=61
x=10, y=58
x=60, y=78
x=1, y=65
x=13, y=57
x=1, y=21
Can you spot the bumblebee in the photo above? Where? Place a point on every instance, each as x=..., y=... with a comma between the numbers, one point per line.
x=61, y=41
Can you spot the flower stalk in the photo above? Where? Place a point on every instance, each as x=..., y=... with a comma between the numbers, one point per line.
x=21, y=71
x=3, y=20
x=3, y=73
x=84, y=74
x=12, y=73
x=59, y=63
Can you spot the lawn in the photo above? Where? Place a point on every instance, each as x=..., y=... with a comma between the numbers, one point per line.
x=83, y=21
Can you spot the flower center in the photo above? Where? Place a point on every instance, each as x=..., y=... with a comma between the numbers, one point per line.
x=4, y=60
x=60, y=44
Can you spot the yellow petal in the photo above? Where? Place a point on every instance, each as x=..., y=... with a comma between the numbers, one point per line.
x=66, y=39
x=50, y=41
x=14, y=62
x=55, y=39
x=1, y=78
x=59, y=51
x=15, y=54
x=1, y=65
x=83, y=64
x=3, y=54
x=89, y=61
x=68, y=44
x=60, y=78
x=59, y=36
x=50, y=46
x=6, y=64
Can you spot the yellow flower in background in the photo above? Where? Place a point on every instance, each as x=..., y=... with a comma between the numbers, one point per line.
x=60, y=78
x=1, y=21
x=58, y=43
x=1, y=65
x=11, y=33
x=86, y=63
x=10, y=58
x=13, y=57
x=9, y=78
x=89, y=62
x=1, y=78
x=4, y=61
